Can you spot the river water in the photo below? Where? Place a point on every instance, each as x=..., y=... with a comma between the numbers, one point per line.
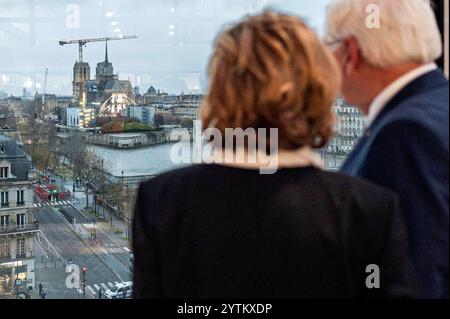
x=149, y=160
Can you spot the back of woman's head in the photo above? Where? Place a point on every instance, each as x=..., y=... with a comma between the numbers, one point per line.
x=271, y=71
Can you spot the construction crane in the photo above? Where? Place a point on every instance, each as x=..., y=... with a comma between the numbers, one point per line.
x=44, y=90
x=81, y=44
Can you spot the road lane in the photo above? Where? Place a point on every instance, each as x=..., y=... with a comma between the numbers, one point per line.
x=115, y=255
x=70, y=246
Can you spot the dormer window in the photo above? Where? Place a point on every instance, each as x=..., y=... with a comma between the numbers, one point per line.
x=2, y=150
x=4, y=172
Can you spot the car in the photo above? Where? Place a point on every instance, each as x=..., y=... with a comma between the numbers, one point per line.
x=120, y=291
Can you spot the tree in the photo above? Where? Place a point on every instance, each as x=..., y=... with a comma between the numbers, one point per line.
x=6, y=287
x=53, y=146
x=112, y=127
x=112, y=196
x=82, y=158
x=59, y=112
x=88, y=174
x=136, y=127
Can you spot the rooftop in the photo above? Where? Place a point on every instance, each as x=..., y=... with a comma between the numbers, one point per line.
x=12, y=152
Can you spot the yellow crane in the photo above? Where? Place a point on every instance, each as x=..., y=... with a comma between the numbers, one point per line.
x=81, y=43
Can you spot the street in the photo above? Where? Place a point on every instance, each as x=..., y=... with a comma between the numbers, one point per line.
x=106, y=262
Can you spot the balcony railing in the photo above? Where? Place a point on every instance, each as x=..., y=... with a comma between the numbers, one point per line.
x=9, y=260
x=5, y=204
x=21, y=228
x=5, y=258
x=20, y=203
x=21, y=255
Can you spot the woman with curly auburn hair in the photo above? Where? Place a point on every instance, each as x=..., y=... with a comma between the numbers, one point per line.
x=271, y=71
x=224, y=230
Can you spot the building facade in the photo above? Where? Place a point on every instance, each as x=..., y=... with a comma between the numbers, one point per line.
x=350, y=124
x=186, y=113
x=106, y=92
x=81, y=73
x=79, y=117
x=53, y=101
x=143, y=113
x=17, y=224
x=12, y=102
x=166, y=101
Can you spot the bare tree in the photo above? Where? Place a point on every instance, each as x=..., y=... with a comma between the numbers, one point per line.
x=52, y=160
x=5, y=284
x=83, y=160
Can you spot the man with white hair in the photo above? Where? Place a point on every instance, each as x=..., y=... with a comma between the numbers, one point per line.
x=386, y=51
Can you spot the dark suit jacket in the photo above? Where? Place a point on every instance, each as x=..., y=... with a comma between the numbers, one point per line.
x=211, y=231
x=406, y=150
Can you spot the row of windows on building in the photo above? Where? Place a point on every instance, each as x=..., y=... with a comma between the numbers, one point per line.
x=351, y=122
x=5, y=251
x=340, y=146
x=20, y=222
x=4, y=172
x=20, y=198
x=340, y=108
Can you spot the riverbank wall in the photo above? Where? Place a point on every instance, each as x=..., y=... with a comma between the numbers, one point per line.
x=130, y=140
x=127, y=140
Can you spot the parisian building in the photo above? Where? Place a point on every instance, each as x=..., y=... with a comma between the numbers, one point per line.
x=182, y=106
x=17, y=224
x=145, y=114
x=79, y=117
x=53, y=101
x=350, y=124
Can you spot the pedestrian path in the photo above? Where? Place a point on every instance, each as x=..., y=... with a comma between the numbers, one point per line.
x=93, y=289
x=113, y=249
x=49, y=204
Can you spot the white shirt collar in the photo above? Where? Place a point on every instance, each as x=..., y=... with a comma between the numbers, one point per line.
x=302, y=157
x=394, y=88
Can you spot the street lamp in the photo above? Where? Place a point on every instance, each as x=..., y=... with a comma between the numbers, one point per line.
x=121, y=196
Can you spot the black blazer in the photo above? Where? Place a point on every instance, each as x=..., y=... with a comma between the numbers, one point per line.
x=210, y=231
x=406, y=150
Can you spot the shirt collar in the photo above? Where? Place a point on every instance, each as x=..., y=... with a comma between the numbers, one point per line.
x=302, y=157
x=394, y=88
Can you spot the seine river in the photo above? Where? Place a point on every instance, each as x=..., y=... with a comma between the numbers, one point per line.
x=148, y=160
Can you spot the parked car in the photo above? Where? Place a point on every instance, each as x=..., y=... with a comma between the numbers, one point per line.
x=120, y=291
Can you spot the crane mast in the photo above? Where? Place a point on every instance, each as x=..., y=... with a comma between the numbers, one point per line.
x=44, y=90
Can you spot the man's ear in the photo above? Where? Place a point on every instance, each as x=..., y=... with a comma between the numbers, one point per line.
x=352, y=58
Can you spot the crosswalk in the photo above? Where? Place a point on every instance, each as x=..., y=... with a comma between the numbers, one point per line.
x=47, y=204
x=93, y=289
x=116, y=250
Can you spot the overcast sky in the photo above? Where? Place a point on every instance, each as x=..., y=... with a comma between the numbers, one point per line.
x=171, y=52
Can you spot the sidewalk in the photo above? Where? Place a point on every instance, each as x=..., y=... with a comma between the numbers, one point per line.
x=116, y=231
